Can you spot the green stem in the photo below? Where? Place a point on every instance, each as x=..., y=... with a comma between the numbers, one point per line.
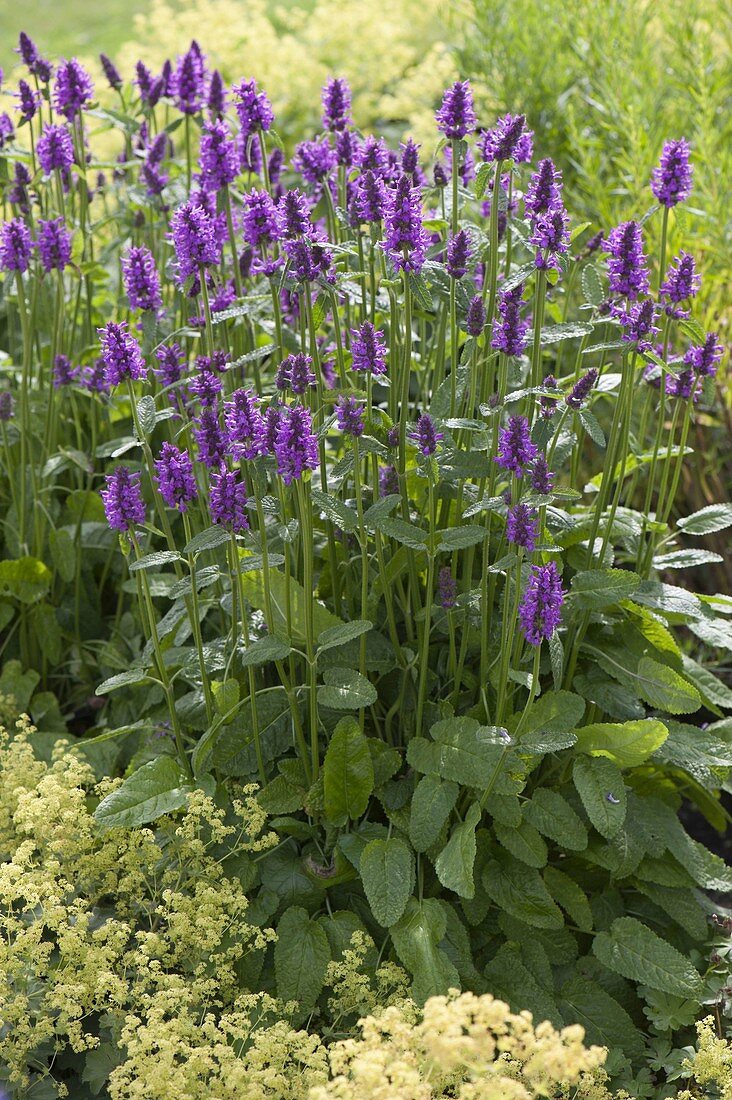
x=196, y=623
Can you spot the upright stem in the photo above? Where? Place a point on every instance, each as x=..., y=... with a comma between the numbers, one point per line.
x=196, y=624
x=306, y=524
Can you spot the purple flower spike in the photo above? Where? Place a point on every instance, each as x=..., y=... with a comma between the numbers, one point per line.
x=228, y=501
x=141, y=278
x=336, y=104
x=63, y=373
x=458, y=252
x=406, y=240
x=388, y=481
x=253, y=108
x=424, y=436
x=195, y=239
x=368, y=349
x=209, y=437
x=542, y=478
x=704, y=358
x=309, y=259
x=174, y=477
x=259, y=219
x=170, y=369
x=122, y=498
x=680, y=285
x=540, y=610
x=516, y=451
x=581, y=390
x=189, y=81
x=54, y=244
x=55, y=149
x=522, y=527
x=296, y=445
x=121, y=354
x=508, y=140
x=544, y=192
x=219, y=159
x=671, y=181
x=627, y=270
x=7, y=406
x=510, y=330
x=293, y=215
x=216, y=98
x=349, y=416
x=638, y=324
x=456, y=116
x=475, y=319
x=110, y=71
x=446, y=589
x=550, y=235
x=243, y=424
x=315, y=160
x=72, y=88
x=28, y=99
x=371, y=197
x=295, y=373
x=27, y=50
x=15, y=245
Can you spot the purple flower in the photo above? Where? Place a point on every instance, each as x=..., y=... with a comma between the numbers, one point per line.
x=54, y=244
x=406, y=240
x=446, y=589
x=542, y=478
x=370, y=198
x=43, y=70
x=336, y=99
x=63, y=373
x=253, y=108
x=638, y=324
x=243, y=423
x=521, y=526
x=259, y=220
x=314, y=160
x=6, y=129
x=154, y=179
x=15, y=245
x=144, y=81
x=374, y=156
x=439, y=175
x=368, y=349
x=29, y=100
x=269, y=428
x=293, y=215
x=216, y=98
x=93, y=377
x=456, y=116
x=627, y=270
x=296, y=446
x=189, y=81
x=275, y=165
x=458, y=251
x=219, y=159
x=170, y=368
x=703, y=358
x=346, y=148
x=55, y=149
x=195, y=239
x=18, y=193
x=671, y=181
x=27, y=50
x=295, y=373
x=549, y=233
x=123, y=503
x=540, y=610
x=475, y=319
x=547, y=404
x=206, y=385
x=507, y=138
x=110, y=71
x=210, y=439
x=509, y=333
x=349, y=415
x=410, y=161
x=681, y=284
x=174, y=477
x=684, y=386
x=388, y=481
x=142, y=284
x=424, y=436
x=581, y=389
x=516, y=451
x=7, y=406
x=544, y=192
x=72, y=88
x=308, y=259
x=121, y=354
x=228, y=501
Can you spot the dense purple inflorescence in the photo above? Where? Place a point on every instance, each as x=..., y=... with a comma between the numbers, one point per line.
x=540, y=610
x=123, y=503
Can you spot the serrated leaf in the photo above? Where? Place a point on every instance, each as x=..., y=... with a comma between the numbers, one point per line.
x=523, y=842
x=340, y=635
x=605, y=1021
x=594, y=589
x=405, y=533
x=553, y=712
x=232, y=746
x=665, y=689
x=572, y=898
x=592, y=285
x=336, y=511
x=553, y=816
x=122, y=679
x=454, y=865
x=208, y=540
x=462, y=751
x=263, y=650
x=685, y=559
x=226, y=694
x=153, y=561
x=158, y=787
x=432, y=802
x=279, y=591
x=601, y=788
x=458, y=538
x=387, y=874
x=567, y=330
x=631, y=949
x=63, y=553
x=25, y=579
x=590, y=423
x=346, y=689
x=416, y=938
x=715, y=517
x=301, y=957
x=520, y=890
x=348, y=773
x=519, y=984
x=627, y=744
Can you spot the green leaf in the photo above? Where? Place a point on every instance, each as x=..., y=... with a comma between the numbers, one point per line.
x=18, y=684
x=594, y=589
x=606, y=1022
x=715, y=517
x=209, y=539
x=552, y=712
x=301, y=957
x=387, y=874
x=553, y=816
x=346, y=689
x=416, y=938
x=253, y=591
x=633, y=950
x=484, y=173
x=226, y=694
x=263, y=650
x=520, y=890
x=570, y=896
x=458, y=538
x=567, y=330
x=518, y=984
x=232, y=746
x=591, y=425
x=454, y=865
x=685, y=559
x=122, y=679
x=152, y=561
x=698, y=752
x=432, y=802
x=464, y=751
x=25, y=579
x=348, y=773
x=523, y=842
x=340, y=635
x=627, y=744
x=600, y=786
x=158, y=787
x=665, y=689
x=63, y=553
x=406, y=533
x=592, y=285
x=335, y=510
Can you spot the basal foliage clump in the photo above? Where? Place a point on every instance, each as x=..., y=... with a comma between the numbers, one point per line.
x=351, y=475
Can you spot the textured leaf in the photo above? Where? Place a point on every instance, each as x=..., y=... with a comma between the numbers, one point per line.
x=455, y=863
x=336, y=511
x=553, y=816
x=685, y=559
x=387, y=873
x=606, y=1022
x=627, y=744
x=157, y=788
x=524, y=842
x=263, y=650
x=630, y=948
x=572, y=898
x=697, y=752
x=301, y=957
x=567, y=330
x=715, y=517
x=25, y=579
x=153, y=561
x=406, y=533
x=233, y=751
x=346, y=689
x=592, y=287
x=253, y=590
x=226, y=694
x=553, y=712
x=416, y=938
x=122, y=679
x=348, y=773
x=665, y=689
x=463, y=751
x=458, y=538
x=600, y=786
x=340, y=635
x=707, y=684
x=432, y=801
x=520, y=890
x=209, y=539
x=597, y=588
x=512, y=981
